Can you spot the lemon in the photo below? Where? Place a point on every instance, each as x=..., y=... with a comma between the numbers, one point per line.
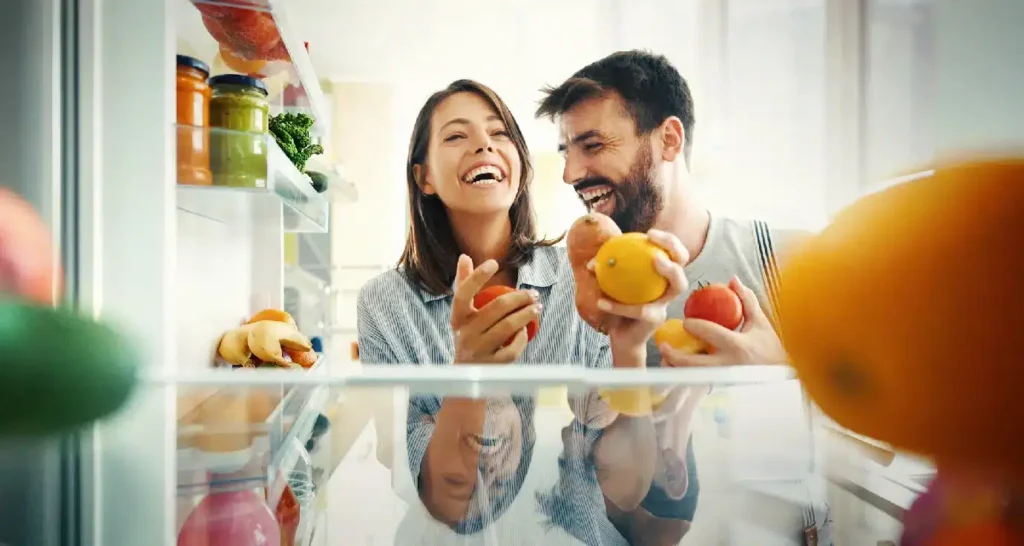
x=625, y=271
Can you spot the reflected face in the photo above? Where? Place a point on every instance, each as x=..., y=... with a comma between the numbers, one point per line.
x=472, y=164
x=469, y=475
x=609, y=165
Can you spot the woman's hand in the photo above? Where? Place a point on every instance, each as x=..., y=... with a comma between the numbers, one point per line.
x=480, y=334
x=632, y=325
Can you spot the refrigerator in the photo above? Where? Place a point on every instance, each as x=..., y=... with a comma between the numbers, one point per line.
x=90, y=90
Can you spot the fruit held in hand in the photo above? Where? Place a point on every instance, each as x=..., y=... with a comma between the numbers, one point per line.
x=489, y=294
x=673, y=333
x=715, y=303
x=582, y=242
x=625, y=269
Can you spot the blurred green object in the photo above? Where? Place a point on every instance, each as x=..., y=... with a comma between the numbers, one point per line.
x=59, y=370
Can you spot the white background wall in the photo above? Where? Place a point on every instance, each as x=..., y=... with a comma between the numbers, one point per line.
x=760, y=72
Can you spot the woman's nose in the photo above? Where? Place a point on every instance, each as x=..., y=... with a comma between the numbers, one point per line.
x=486, y=146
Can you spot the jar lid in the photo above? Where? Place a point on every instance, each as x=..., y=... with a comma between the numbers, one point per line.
x=239, y=79
x=185, y=60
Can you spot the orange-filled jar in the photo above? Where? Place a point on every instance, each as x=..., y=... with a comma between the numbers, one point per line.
x=193, y=98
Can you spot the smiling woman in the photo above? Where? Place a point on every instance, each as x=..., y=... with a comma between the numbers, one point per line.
x=468, y=164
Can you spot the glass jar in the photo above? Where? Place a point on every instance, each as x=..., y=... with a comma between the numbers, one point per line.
x=193, y=106
x=240, y=112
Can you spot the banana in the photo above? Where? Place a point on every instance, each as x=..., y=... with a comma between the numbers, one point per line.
x=234, y=346
x=268, y=338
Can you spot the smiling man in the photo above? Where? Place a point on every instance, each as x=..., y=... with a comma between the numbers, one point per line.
x=626, y=125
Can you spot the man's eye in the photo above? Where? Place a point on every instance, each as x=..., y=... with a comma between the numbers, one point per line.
x=592, y=146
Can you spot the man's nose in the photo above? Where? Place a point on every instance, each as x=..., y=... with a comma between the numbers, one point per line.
x=573, y=170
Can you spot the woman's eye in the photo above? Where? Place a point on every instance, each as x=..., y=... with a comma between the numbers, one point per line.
x=502, y=133
x=450, y=138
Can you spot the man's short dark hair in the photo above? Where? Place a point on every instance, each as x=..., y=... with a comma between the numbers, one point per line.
x=652, y=89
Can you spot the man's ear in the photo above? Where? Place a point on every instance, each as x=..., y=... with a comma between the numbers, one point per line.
x=422, y=180
x=673, y=138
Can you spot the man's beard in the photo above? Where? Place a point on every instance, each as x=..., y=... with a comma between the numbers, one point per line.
x=638, y=199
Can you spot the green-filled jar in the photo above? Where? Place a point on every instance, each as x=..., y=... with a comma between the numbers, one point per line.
x=238, y=155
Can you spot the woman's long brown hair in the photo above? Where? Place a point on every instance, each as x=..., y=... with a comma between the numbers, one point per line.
x=431, y=254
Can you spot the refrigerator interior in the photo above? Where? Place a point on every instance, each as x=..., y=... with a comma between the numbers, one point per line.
x=96, y=149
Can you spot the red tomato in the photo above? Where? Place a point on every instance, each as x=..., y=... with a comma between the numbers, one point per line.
x=716, y=303
x=485, y=296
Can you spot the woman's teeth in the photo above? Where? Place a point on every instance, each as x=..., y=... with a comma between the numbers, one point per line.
x=487, y=174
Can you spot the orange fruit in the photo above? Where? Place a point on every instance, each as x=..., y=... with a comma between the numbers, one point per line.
x=306, y=359
x=276, y=315
x=902, y=318
x=240, y=65
x=673, y=333
x=625, y=271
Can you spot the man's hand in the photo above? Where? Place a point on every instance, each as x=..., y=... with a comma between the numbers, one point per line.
x=630, y=326
x=754, y=343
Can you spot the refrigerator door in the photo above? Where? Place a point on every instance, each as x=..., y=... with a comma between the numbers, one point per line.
x=39, y=480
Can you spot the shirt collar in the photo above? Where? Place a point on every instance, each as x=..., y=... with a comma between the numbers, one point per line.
x=539, y=272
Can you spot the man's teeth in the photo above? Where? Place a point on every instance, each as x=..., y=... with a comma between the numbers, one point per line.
x=487, y=174
x=600, y=202
x=591, y=196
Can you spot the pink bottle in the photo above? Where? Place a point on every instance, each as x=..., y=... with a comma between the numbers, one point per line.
x=231, y=518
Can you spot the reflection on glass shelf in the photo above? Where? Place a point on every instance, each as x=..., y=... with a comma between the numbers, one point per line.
x=555, y=465
x=234, y=436
x=249, y=174
x=253, y=37
x=486, y=379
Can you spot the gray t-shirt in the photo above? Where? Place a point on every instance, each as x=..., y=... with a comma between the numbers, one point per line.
x=744, y=248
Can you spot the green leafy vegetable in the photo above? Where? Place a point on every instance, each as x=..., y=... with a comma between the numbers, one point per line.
x=291, y=130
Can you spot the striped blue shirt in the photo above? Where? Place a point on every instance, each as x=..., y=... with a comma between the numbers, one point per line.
x=400, y=323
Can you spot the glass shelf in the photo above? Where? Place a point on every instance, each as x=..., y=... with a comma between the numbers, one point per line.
x=533, y=465
x=249, y=174
x=243, y=436
x=487, y=380
x=253, y=37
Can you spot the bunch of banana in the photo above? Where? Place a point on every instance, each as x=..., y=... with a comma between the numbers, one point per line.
x=263, y=342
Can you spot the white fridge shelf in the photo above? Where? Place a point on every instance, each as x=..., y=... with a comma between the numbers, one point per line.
x=250, y=174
